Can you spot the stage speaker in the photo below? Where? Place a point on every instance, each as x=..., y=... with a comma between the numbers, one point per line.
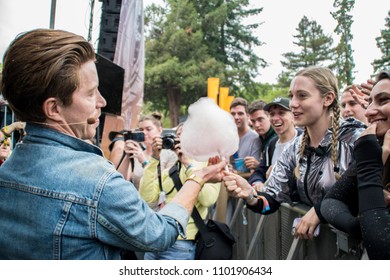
x=111, y=77
x=109, y=27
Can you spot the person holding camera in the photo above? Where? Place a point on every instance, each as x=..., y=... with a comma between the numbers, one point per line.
x=5, y=150
x=6, y=137
x=157, y=186
x=137, y=146
x=71, y=203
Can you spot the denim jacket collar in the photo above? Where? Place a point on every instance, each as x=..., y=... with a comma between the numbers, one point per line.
x=36, y=133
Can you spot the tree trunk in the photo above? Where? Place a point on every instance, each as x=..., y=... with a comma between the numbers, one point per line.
x=174, y=105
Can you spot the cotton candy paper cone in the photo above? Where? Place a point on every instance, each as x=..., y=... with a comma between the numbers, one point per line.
x=209, y=131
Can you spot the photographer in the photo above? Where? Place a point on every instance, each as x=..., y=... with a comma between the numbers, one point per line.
x=6, y=137
x=138, y=150
x=159, y=188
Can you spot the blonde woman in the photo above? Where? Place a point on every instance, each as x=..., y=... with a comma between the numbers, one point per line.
x=151, y=126
x=315, y=160
x=5, y=150
x=154, y=193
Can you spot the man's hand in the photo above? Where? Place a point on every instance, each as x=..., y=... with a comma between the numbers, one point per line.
x=251, y=162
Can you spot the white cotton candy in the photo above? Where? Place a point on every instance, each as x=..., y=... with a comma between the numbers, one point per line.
x=209, y=131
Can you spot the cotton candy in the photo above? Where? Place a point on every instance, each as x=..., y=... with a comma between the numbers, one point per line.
x=209, y=131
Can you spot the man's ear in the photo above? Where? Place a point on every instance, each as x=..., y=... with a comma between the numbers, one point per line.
x=329, y=98
x=51, y=109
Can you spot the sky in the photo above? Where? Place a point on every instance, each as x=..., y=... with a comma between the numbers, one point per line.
x=280, y=19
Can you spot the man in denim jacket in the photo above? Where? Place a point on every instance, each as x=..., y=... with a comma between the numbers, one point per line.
x=59, y=197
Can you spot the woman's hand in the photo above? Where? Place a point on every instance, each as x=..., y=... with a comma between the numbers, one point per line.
x=17, y=126
x=305, y=227
x=182, y=158
x=360, y=95
x=386, y=147
x=134, y=150
x=156, y=147
x=367, y=87
x=237, y=186
x=371, y=129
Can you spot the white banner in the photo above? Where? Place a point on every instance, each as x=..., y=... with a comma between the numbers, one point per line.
x=130, y=55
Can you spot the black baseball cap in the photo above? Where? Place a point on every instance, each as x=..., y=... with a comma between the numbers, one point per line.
x=278, y=101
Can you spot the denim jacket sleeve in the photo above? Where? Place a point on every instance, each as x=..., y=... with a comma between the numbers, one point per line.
x=124, y=220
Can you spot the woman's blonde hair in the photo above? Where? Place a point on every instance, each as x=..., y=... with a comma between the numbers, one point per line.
x=325, y=81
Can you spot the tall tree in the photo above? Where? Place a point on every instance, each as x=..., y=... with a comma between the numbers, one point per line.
x=383, y=43
x=344, y=63
x=177, y=64
x=230, y=41
x=191, y=40
x=315, y=49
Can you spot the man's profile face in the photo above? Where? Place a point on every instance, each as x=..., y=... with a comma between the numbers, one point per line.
x=86, y=104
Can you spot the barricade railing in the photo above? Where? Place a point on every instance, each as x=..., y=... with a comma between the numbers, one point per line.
x=269, y=237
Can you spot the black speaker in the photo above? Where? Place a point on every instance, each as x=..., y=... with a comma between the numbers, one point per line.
x=111, y=77
x=109, y=27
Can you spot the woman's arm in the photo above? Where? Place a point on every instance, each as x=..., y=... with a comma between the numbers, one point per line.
x=374, y=216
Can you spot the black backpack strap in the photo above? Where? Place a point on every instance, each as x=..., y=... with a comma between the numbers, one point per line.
x=209, y=240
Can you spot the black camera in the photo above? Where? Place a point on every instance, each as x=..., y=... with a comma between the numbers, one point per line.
x=169, y=142
x=136, y=136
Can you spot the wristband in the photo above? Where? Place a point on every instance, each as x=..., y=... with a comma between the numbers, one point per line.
x=249, y=198
x=265, y=204
x=195, y=178
x=188, y=168
x=145, y=163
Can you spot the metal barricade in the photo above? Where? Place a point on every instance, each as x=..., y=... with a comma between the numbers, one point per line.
x=269, y=237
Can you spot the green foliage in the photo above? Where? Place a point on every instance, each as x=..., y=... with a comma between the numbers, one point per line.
x=344, y=63
x=188, y=41
x=266, y=92
x=383, y=43
x=315, y=49
x=230, y=41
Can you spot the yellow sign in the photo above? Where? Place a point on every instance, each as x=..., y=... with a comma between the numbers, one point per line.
x=220, y=95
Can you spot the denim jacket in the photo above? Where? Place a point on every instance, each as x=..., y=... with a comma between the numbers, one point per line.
x=61, y=199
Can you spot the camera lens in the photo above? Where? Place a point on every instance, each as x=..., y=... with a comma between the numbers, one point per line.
x=168, y=143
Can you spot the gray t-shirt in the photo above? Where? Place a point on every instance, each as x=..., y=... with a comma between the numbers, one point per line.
x=279, y=147
x=249, y=145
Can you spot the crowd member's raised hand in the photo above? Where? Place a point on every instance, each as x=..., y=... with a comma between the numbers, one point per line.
x=367, y=87
x=7, y=130
x=360, y=96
